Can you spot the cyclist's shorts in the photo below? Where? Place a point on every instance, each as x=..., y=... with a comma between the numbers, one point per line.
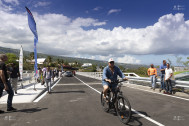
x=109, y=85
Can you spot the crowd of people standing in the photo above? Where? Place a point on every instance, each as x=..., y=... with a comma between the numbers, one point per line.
x=9, y=76
x=166, y=74
x=47, y=75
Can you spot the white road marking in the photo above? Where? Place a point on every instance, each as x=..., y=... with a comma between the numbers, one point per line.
x=140, y=114
x=40, y=97
x=79, y=84
x=88, y=85
x=73, y=100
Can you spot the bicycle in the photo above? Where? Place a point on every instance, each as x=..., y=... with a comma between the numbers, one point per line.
x=116, y=100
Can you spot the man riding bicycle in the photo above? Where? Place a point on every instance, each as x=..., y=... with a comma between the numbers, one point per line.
x=110, y=74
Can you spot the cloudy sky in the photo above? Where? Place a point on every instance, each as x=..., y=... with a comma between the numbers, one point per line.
x=130, y=31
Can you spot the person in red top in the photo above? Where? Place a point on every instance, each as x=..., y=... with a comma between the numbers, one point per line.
x=152, y=72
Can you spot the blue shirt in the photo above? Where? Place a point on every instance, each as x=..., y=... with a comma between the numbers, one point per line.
x=163, y=67
x=107, y=74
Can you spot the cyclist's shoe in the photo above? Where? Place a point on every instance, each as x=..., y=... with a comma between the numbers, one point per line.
x=106, y=99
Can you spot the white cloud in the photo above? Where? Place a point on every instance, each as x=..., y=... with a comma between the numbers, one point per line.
x=61, y=35
x=42, y=4
x=4, y=7
x=12, y=2
x=97, y=8
x=113, y=11
x=86, y=22
x=128, y=59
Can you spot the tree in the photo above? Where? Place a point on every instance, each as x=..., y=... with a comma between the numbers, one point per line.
x=93, y=68
x=179, y=61
x=58, y=61
x=170, y=62
x=186, y=63
x=49, y=59
x=12, y=58
x=25, y=58
x=62, y=61
x=31, y=56
x=121, y=68
x=66, y=63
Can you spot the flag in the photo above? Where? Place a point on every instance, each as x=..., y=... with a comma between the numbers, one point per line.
x=32, y=25
x=35, y=57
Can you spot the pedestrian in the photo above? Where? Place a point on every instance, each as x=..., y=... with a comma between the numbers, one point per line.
x=152, y=72
x=40, y=78
x=14, y=77
x=60, y=73
x=162, y=69
x=56, y=72
x=5, y=84
x=47, y=77
x=74, y=72
x=168, y=75
x=43, y=72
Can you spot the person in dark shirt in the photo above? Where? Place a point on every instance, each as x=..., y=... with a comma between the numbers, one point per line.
x=14, y=77
x=5, y=84
x=162, y=69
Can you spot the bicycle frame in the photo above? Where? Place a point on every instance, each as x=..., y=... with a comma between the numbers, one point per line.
x=115, y=93
x=116, y=99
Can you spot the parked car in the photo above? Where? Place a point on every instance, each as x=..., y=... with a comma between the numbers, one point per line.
x=68, y=74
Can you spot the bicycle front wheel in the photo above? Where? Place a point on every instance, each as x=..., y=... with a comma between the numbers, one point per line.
x=123, y=109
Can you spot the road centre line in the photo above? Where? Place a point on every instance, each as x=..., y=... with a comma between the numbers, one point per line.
x=140, y=114
x=88, y=85
x=78, y=84
x=157, y=93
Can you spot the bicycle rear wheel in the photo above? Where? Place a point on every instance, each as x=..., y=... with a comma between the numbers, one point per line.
x=123, y=109
x=104, y=104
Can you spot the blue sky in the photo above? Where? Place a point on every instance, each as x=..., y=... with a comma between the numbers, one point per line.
x=131, y=31
x=128, y=13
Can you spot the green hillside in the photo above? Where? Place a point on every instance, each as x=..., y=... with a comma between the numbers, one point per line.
x=69, y=59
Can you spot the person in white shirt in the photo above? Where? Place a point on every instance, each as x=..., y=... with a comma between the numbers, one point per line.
x=47, y=76
x=168, y=75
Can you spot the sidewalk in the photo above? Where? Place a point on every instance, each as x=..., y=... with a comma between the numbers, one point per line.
x=27, y=94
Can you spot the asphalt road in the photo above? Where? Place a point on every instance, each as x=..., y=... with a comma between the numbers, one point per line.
x=73, y=103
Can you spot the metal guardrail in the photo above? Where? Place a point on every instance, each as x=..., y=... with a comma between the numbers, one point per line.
x=135, y=78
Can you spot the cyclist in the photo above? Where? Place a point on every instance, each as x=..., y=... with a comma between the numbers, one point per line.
x=110, y=74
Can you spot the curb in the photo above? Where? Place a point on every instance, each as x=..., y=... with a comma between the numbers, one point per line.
x=25, y=86
x=44, y=90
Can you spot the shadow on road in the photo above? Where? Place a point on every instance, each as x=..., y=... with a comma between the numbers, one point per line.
x=67, y=92
x=135, y=119
x=31, y=110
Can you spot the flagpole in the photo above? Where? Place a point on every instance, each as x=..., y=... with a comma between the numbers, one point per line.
x=35, y=65
x=32, y=25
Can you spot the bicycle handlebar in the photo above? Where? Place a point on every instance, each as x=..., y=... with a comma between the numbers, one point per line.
x=117, y=81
